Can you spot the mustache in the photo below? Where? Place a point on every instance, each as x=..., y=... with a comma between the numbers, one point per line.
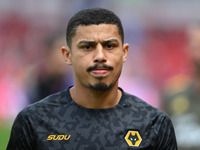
x=98, y=65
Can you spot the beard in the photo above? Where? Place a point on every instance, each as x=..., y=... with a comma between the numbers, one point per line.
x=101, y=86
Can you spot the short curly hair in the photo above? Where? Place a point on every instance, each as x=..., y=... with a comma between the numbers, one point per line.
x=92, y=16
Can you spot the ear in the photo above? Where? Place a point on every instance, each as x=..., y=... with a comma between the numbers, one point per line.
x=66, y=54
x=125, y=51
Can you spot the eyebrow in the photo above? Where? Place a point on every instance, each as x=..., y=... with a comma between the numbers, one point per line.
x=95, y=43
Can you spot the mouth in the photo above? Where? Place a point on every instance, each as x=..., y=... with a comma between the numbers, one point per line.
x=100, y=69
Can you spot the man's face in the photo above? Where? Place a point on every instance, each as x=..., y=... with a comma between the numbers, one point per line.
x=194, y=45
x=194, y=42
x=97, y=55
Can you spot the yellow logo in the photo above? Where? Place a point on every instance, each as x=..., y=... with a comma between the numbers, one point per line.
x=133, y=138
x=58, y=137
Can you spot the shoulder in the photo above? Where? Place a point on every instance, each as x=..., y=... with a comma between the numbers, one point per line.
x=137, y=103
x=148, y=118
x=45, y=105
x=29, y=119
x=141, y=109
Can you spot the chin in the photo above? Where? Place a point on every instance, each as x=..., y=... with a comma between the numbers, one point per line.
x=101, y=86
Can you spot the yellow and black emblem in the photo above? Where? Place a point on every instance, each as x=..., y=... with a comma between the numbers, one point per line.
x=133, y=138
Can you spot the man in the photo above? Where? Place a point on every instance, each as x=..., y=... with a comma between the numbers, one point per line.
x=94, y=114
x=53, y=77
x=181, y=96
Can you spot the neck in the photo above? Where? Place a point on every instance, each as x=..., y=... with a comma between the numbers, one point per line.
x=90, y=98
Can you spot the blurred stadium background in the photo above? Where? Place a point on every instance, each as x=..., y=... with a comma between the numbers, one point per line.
x=154, y=29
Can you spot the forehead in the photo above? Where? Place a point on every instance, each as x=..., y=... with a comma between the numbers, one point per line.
x=194, y=36
x=194, y=32
x=99, y=32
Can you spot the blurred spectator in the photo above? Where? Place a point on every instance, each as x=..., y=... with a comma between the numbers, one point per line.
x=13, y=66
x=21, y=47
x=182, y=97
x=52, y=74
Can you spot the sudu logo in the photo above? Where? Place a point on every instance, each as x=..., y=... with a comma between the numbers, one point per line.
x=58, y=137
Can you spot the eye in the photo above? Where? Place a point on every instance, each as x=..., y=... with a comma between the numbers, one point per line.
x=109, y=46
x=87, y=47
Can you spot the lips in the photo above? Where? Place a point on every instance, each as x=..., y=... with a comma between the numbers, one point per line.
x=99, y=71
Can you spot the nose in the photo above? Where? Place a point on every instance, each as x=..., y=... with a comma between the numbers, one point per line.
x=100, y=55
